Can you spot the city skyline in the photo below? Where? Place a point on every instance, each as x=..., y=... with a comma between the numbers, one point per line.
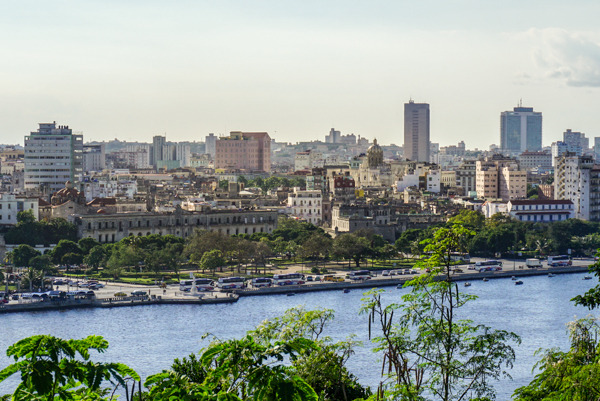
x=131, y=72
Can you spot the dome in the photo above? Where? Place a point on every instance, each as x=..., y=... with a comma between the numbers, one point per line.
x=374, y=155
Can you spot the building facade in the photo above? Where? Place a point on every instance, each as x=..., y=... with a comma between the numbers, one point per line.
x=210, y=142
x=249, y=151
x=540, y=210
x=416, y=131
x=108, y=228
x=11, y=204
x=53, y=156
x=520, y=130
x=573, y=181
x=306, y=205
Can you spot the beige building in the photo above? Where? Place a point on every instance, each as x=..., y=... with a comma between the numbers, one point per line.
x=250, y=151
x=500, y=178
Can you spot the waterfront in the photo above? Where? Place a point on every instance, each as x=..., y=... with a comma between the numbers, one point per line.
x=149, y=338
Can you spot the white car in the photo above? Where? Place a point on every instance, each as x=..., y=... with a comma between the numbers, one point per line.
x=385, y=273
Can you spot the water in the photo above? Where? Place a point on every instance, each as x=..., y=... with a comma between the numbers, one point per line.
x=149, y=338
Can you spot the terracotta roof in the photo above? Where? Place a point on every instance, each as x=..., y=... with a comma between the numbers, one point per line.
x=102, y=202
x=42, y=202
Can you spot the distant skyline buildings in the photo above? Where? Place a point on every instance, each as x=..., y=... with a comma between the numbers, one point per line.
x=416, y=131
x=520, y=130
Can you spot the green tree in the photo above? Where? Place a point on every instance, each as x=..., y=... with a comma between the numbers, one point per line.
x=427, y=350
x=64, y=247
x=86, y=244
x=71, y=259
x=316, y=247
x=571, y=375
x=22, y=254
x=95, y=257
x=56, y=369
x=212, y=260
x=42, y=264
x=350, y=247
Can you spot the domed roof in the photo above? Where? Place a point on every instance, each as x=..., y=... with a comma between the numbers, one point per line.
x=375, y=146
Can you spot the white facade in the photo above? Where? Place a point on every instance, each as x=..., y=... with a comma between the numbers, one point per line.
x=432, y=181
x=10, y=205
x=308, y=160
x=490, y=208
x=109, y=188
x=53, y=156
x=210, y=143
x=541, y=211
x=94, y=158
x=572, y=181
x=306, y=205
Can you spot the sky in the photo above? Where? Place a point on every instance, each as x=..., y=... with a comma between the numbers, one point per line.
x=134, y=69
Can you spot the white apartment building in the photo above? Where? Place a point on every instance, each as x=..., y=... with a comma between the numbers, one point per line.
x=53, y=156
x=306, y=205
x=108, y=187
x=535, y=160
x=575, y=179
x=497, y=178
x=94, y=158
x=540, y=210
x=10, y=205
x=432, y=181
x=308, y=160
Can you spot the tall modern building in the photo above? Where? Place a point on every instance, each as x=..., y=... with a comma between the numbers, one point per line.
x=158, y=143
x=416, y=131
x=210, y=142
x=520, y=130
x=53, y=156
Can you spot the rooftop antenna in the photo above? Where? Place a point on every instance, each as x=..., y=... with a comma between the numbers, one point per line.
x=521, y=102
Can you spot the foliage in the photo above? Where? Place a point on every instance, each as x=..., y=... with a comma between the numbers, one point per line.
x=350, y=247
x=572, y=375
x=428, y=351
x=22, y=254
x=52, y=368
x=31, y=232
x=63, y=248
x=211, y=260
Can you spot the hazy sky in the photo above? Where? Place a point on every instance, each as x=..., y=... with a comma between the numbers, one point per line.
x=133, y=69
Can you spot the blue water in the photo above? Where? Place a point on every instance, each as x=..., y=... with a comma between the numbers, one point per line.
x=149, y=338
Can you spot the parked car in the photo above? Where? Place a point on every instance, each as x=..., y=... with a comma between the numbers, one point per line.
x=385, y=273
x=120, y=294
x=138, y=293
x=309, y=278
x=406, y=271
x=414, y=271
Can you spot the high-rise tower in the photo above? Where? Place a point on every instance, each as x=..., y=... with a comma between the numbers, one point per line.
x=416, y=131
x=520, y=130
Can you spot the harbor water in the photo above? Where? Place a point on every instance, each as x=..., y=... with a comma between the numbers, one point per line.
x=148, y=338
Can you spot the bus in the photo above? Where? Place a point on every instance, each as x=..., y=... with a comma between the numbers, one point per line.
x=359, y=275
x=231, y=283
x=288, y=279
x=488, y=266
x=560, y=260
x=333, y=278
x=460, y=257
x=202, y=284
x=259, y=282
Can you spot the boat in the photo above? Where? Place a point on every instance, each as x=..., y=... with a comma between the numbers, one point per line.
x=346, y=290
x=291, y=294
x=519, y=282
x=513, y=278
x=467, y=284
x=587, y=277
x=486, y=279
x=550, y=275
x=399, y=286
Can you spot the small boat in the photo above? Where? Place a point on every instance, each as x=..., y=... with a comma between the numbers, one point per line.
x=346, y=290
x=518, y=282
x=486, y=279
x=587, y=277
x=291, y=294
x=467, y=284
x=513, y=278
x=399, y=286
x=550, y=275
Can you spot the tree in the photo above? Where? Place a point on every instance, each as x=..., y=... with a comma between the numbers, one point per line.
x=211, y=260
x=350, y=247
x=428, y=351
x=42, y=264
x=316, y=247
x=571, y=375
x=52, y=368
x=86, y=244
x=22, y=254
x=71, y=259
x=64, y=247
x=95, y=257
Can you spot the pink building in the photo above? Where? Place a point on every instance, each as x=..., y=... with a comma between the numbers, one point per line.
x=249, y=151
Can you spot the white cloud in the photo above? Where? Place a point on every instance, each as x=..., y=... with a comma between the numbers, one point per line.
x=571, y=57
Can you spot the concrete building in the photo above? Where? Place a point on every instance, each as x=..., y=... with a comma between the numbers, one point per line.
x=416, y=131
x=308, y=160
x=306, y=205
x=11, y=204
x=536, y=160
x=520, y=130
x=114, y=227
x=53, y=156
x=94, y=158
x=597, y=148
x=249, y=151
x=466, y=176
x=158, y=142
x=210, y=142
x=540, y=210
x=576, y=140
x=573, y=181
x=500, y=178
x=350, y=218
